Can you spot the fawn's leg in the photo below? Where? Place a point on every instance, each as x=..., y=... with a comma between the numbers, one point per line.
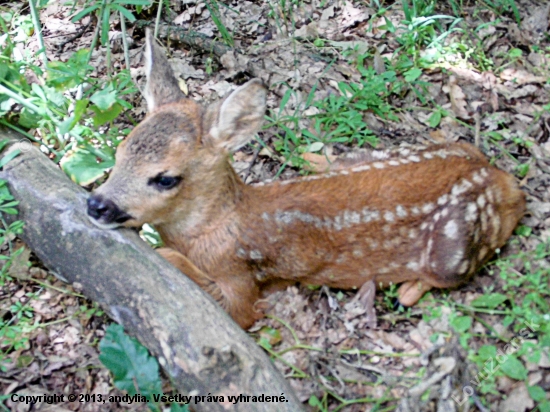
x=234, y=296
x=411, y=291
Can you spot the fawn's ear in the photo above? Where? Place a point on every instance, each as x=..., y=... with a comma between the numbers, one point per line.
x=233, y=122
x=162, y=86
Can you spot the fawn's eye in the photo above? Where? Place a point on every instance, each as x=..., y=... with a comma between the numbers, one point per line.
x=165, y=182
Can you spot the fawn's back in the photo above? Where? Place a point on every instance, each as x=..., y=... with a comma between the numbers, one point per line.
x=426, y=216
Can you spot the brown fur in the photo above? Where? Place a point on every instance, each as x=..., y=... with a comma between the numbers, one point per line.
x=429, y=217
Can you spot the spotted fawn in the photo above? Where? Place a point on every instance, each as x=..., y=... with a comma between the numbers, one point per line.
x=422, y=216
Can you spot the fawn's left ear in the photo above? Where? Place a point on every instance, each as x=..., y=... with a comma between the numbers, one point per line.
x=162, y=86
x=234, y=122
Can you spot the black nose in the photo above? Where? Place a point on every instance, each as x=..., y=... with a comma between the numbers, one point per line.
x=105, y=210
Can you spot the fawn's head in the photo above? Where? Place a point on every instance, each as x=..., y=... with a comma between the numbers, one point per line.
x=174, y=161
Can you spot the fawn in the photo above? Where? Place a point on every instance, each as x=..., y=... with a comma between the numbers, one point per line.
x=426, y=216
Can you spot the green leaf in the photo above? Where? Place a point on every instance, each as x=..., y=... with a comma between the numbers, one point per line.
x=524, y=231
x=435, y=119
x=105, y=98
x=29, y=119
x=413, y=74
x=85, y=12
x=79, y=109
x=522, y=169
x=490, y=301
x=8, y=157
x=103, y=116
x=315, y=147
x=130, y=363
x=487, y=352
x=514, y=369
x=536, y=393
x=515, y=53
x=134, y=2
x=461, y=323
x=82, y=166
x=544, y=406
x=125, y=12
x=314, y=401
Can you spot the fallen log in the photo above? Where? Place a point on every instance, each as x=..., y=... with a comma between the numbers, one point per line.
x=199, y=346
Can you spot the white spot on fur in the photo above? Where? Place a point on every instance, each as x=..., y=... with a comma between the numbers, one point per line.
x=373, y=244
x=415, y=210
x=476, y=177
x=415, y=159
x=482, y=253
x=401, y=211
x=483, y=216
x=378, y=165
x=265, y=216
x=484, y=172
x=443, y=199
x=370, y=215
x=388, y=216
x=463, y=267
x=481, y=202
x=424, y=226
x=451, y=229
x=414, y=266
x=428, y=208
x=256, y=255
x=351, y=218
x=344, y=172
x=413, y=233
x=428, y=155
x=386, y=229
x=471, y=212
x=393, y=163
x=461, y=187
x=380, y=154
x=357, y=253
x=361, y=168
x=455, y=260
x=404, y=161
x=445, y=212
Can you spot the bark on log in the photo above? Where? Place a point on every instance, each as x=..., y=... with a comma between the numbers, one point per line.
x=199, y=346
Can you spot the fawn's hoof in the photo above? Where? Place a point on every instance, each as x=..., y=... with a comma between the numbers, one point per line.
x=410, y=292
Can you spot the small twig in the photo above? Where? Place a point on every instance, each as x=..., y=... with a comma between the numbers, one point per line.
x=157, y=20
x=97, y=29
x=249, y=168
x=38, y=31
x=78, y=34
x=477, y=118
x=125, y=42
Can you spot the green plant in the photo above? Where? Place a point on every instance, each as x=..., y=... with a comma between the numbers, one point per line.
x=214, y=9
x=527, y=276
x=103, y=10
x=502, y=7
x=67, y=109
x=133, y=369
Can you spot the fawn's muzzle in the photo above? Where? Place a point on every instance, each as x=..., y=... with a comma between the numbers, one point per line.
x=105, y=211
